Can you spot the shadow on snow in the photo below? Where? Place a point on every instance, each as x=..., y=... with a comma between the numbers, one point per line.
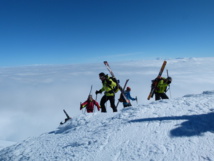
x=195, y=124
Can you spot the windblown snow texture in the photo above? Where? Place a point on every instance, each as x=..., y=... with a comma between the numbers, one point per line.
x=176, y=129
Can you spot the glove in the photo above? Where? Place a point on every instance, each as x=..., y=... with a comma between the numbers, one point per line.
x=98, y=92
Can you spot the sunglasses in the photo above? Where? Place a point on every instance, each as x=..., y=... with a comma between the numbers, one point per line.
x=102, y=77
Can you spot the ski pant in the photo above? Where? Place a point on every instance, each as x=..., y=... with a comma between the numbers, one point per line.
x=126, y=104
x=104, y=99
x=159, y=96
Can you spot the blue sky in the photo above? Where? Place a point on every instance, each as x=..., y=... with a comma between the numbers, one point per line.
x=86, y=31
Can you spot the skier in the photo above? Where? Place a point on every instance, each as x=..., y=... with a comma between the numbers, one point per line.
x=109, y=86
x=89, y=104
x=161, y=89
x=155, y=81
x=128, y=96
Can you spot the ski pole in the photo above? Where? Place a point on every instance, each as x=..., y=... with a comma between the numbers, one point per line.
x=117, y=103
x=90, y=90
x=169, y=85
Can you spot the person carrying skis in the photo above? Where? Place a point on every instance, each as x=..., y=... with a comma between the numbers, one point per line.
x=109, y=86
x=161, y=89
x=129, y=97
x=89, y=104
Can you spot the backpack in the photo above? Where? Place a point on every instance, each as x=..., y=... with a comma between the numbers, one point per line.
x=121, y=99
x=156, y=81
x=116, y=88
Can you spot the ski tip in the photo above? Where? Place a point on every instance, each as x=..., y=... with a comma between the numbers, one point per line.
x=106, y=63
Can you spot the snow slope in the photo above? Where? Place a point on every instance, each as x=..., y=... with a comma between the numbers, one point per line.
x=4, y=144
x=180, y=129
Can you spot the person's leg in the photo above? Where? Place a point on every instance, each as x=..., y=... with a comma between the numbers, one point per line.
x=112, y=102
x=102, y=103
x=157, y=96
x=164, y=96
x=129, y=104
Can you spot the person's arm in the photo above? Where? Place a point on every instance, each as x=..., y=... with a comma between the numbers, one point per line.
x=97, y=104
x=83, y=105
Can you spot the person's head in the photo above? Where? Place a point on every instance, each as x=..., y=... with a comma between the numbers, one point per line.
x=90, y=97
x=102, y=76
x=128, y=89
x=169, y=80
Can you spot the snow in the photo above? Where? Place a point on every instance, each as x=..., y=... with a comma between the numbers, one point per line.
x=4, y=144
x=176, y=129
x=180, y=128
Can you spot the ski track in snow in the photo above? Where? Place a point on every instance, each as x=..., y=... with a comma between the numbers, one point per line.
x=176, y=129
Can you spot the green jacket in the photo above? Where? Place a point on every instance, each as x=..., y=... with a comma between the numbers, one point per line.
x=108, y=87
x=161, y=87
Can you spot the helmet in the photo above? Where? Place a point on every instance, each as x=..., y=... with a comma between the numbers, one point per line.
x=169, y=79
x=128, y=89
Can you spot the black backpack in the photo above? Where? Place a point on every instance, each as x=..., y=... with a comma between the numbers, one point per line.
x=116, y=89
x=156, y=81
x=121, y=99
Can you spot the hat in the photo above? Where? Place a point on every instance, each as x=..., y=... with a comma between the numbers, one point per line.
x=128, y=89
x=101, y=74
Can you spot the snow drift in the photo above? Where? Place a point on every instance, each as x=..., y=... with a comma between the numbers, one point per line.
x=176, y=129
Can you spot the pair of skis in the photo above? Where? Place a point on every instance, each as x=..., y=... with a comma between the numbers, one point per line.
x=67, y=117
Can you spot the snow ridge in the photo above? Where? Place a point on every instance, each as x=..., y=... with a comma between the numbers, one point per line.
x=176, y=129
